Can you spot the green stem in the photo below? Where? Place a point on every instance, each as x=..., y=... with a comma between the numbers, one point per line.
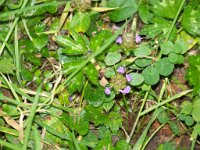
x=138, y=116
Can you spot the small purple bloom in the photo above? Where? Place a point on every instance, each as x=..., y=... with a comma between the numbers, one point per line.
x=126, y=90
x=70, y=98
x=128, y=77
x=138, y=38
x=107, y=91
x=119, y=40
x=121, y=70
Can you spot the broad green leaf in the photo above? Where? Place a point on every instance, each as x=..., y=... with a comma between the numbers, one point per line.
x=144, y=13
x=91, y=73
x=143, y=62
x=158, y=27
x=76, y=122
x=71, y=66
x=89, y=140
x=165, y=8
x=76, y=83
x=189, y=121
x=191, y=18
x=95, y=115
x=109, y=72
x=137, y=79
x=163, y=117
x=80, y=22
x=108, y=105
x=180, y=47
x=173, y=58
x=6, y=66
x=186, y=107
x=40, y=41
x=196, y=109
x=26, y=74
x=95, y=96
x=114, y=121
x=112, y=58
x=151, y=75
x=174, y=126
x=105, y=143
x=124, y=9
x=142, y=51
x=164, y=67
x=167, y=47
x=122, y=145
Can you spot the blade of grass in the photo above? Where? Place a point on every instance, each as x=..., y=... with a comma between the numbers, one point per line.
x=11, y=146
x=139, y=144
x=99, y=51
x=9, y=131
x=75, y=141
x=10, y=100
x=29, y=8
x=37, y=139
x=31, y=118
x=165, y=101
x=17, y=56
x=12, y=28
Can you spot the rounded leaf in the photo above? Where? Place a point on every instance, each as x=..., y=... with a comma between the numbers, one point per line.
x=112, y=58
x=143, y=62
x=137, y=79
x=142, y=50
x=151, y=75
x=173, y=58
x=164, y=67
x=167, y=47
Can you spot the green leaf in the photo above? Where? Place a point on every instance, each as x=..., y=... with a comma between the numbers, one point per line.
x=196, y=109
x=186, y=107
x=76, y=83
x=142, y=51
x=167, y=47
x=95, y=115
x=145, y=14
x=165, y=8
x=108, y=105
x=109, y=72
x=137, y=79
x=112, y=58
x=105, y=143
x=77, y=122
x=173, y=58
x=80, y=22
x=40, y=41
x=164, y=67
x=180, y=47
x=151, y=75
x=89, y=140
x=94, y=95
x=143, y=62
x=71, y=66
x=124, y=9
x=193, y=73
x=122, y=144
x=26, y=74
x=189, y=121
x=114, y=121
x=163, y=117
x=191, y=18
x=175, y=128
x=6, y=66
x=167, y=146
x=91, y=73
x=159, y=27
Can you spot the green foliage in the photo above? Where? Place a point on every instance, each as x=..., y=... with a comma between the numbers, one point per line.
x=142, y=51
x=193, y=73
x=151, y=75
x=137, y=79
x=123, y=9
x=112, y=58
x=6, y=66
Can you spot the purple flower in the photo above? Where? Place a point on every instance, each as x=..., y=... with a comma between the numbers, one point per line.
x=119, y=40
x=107, y=91
x=70, y=98
x=138, y=38
x=121, y=70
x=128, y=77
x=126, y=90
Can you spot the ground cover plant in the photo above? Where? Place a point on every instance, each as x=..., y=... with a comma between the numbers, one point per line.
x=99, y=74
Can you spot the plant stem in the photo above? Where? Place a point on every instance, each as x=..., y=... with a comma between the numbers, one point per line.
x=138, y=116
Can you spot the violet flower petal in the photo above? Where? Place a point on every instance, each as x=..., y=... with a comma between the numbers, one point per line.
x=126, y=90
x=107, y=91
x=119, y=40
x=138, y=38
x=121, y=70
x=70, y=98
x=128, y=77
